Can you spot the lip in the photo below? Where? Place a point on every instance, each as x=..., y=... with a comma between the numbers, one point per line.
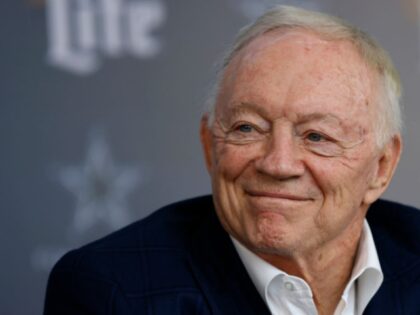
x=276, y=195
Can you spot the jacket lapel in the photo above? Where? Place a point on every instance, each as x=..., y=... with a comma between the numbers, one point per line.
x=219, y=271
x=399, y=264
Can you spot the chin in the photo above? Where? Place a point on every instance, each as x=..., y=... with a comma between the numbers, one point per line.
x=273, y=247
x=271, y=239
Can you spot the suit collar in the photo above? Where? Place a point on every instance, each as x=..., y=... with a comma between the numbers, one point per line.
x=395, y=232
x=229, y=290
x=390, y=224
x=219, y=270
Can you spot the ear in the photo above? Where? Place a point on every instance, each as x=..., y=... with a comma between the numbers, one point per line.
x=206, y=138
x=386, y=166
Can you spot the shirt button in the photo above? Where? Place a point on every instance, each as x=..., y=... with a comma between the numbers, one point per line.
x=289, y=286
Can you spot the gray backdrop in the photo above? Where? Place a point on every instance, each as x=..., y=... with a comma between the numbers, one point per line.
x=100, y=107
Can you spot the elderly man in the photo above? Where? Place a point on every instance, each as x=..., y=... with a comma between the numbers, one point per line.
x=301, y=139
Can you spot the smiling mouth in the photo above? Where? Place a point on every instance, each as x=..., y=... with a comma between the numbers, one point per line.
x=276, y=195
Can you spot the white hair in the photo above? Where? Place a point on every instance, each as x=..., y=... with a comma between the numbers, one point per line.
x=389, y=120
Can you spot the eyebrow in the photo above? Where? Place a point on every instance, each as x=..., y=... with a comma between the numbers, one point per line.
x=245, y=107
x=304, y=118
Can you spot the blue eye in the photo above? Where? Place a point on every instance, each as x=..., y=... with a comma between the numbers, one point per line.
x=245, y=128
x=315, y=137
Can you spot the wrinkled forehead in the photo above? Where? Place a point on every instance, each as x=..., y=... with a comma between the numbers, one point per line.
x=284, y=39
x=300, y=47
x=299, y=61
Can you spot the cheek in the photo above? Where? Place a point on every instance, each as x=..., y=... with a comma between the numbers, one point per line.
x=230, y=163
x=343, y=181
x=232, y=160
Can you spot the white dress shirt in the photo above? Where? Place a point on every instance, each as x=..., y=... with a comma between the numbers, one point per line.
x=285, y=294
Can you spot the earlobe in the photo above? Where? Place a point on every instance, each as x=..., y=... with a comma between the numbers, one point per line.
x=206, y=140
x=387, y=164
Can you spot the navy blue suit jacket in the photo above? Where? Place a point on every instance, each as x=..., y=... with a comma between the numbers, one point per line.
x=179, y=260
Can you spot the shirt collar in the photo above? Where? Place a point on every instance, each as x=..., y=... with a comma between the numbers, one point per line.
x=366, y=270
x=260, y=271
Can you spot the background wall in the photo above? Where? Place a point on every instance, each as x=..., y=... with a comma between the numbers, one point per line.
x=100, y=103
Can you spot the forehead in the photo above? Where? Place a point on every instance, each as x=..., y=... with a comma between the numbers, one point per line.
x=299, y=68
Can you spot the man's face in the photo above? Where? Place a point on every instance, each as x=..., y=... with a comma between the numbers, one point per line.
x=292, y=151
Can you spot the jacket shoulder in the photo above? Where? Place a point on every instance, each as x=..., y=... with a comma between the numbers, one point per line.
x=145, y=257
x=396, y=221
x=395, y=229
x=167, y=229
x=169, y=226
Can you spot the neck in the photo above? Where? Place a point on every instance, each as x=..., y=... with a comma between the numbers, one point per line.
x=327, y=269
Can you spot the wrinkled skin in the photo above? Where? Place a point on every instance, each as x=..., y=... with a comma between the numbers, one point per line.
x=291, y=151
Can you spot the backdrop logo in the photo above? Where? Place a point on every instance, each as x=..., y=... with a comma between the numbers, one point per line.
x=80, y=31
x=101, y=188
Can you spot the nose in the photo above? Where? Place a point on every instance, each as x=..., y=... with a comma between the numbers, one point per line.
x=281, y=158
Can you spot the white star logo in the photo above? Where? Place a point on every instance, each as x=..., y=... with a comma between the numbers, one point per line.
x=100, y=186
